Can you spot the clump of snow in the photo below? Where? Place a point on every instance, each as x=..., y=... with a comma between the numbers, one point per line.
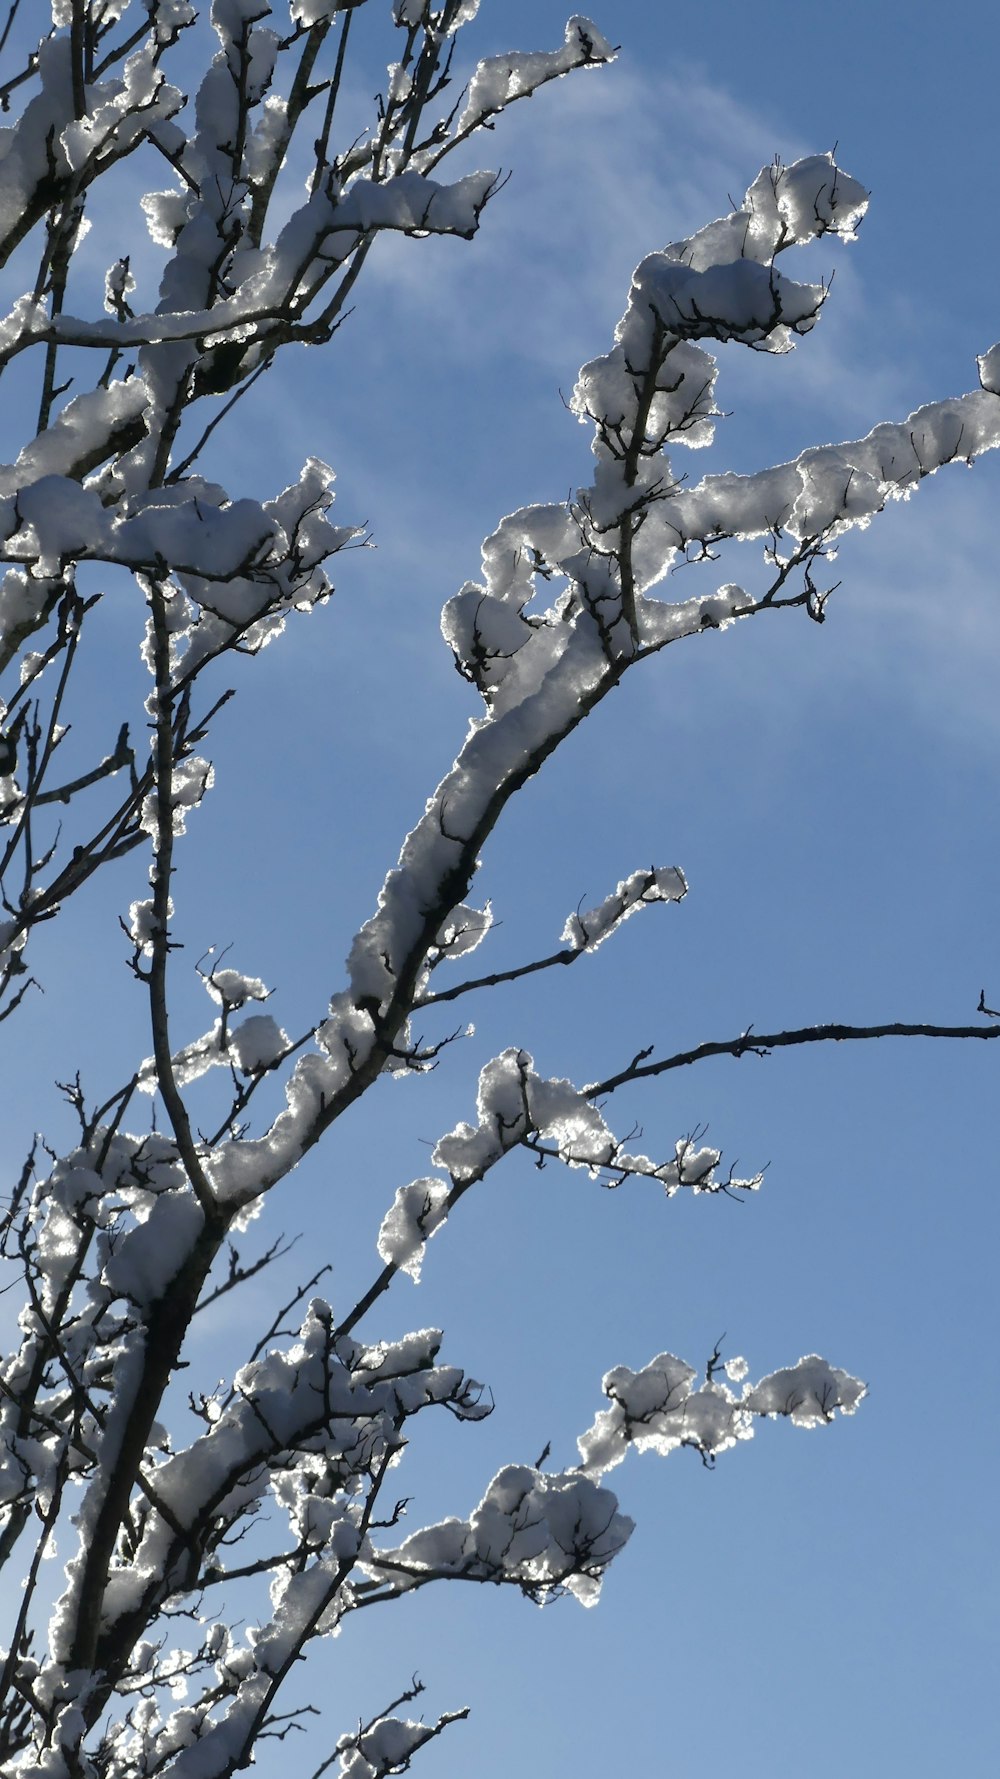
x=809, y=1393
x=12, y=940
x=656, y=1409
x=989, y=370
x=251, y=1047
x=585, y=932
x=190, y=780
x=501, y=79
x=118, y=120
x=786, y=206
x=484, y=634
x=144, y=1262
x=517, y=1106
x=385, y=1747
x=544, y=1534
x=166, y=212
x=231, y=989
x=257, y=1043
x=142, y=923
x=119, y=283
x=314, y=12
x=464, y=929
x=188, y=1063
x=52, y=521
x=413, y=12
x=416, y=1213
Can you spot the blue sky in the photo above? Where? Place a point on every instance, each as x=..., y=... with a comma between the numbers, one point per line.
x=822, y=1602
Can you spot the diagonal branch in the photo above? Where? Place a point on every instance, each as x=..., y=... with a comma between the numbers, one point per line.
x=567, y=956
x=762, y=1045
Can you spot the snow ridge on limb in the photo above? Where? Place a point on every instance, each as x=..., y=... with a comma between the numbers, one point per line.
x=831, y=489
x=585, y=932
x=784, y=207
x=416, y=1213
x=324, y=232
x=193, y=530
x=499, y=80
x=719, y=284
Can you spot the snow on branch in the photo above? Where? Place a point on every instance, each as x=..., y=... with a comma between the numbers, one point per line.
x=657, y=1410
x=388, y=1744
x=552, y=1118
x=48, y=152
x=416, y=1213
x=501, y=79
x=244, y=561
x=255, y=1044
x=317, y=240
x=464, y=930
x=784, y=207
x=542, y=1534
x=581, y=933
x=551, y=1534
x=585, y=932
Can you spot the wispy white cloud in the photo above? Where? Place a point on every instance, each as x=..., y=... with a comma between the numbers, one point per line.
x=923, y=592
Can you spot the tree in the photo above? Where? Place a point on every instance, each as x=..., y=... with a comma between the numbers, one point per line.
x=134, y=1229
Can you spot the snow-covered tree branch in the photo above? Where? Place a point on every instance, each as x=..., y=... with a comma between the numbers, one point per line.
x=260, y=239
